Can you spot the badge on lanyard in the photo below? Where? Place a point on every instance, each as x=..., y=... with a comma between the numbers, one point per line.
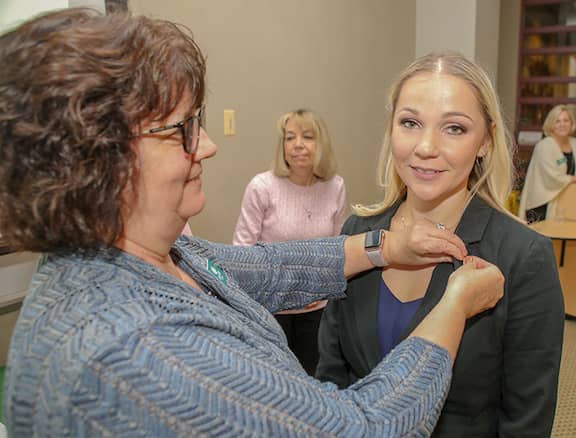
x=561, y=161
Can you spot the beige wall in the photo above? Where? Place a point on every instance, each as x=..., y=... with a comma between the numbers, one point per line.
x=487, y=35
x=508, y=57
x=438, y=29
x=335, y=56
x=474, y=33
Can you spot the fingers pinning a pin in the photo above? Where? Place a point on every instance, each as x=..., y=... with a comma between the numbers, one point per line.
x=440, y=226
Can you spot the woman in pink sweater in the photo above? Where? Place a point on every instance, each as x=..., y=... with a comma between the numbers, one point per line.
x=300, y=198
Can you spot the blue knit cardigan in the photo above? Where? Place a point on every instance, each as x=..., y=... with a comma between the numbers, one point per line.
x=108, y=345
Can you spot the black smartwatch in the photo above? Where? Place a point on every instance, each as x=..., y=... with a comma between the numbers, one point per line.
x=372, y=246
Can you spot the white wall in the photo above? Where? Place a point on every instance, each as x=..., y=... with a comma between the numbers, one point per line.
x=13, y=12
x=470, y=27
x=445, y=25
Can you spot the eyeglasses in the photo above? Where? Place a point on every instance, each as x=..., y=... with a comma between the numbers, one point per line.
x=189, y=128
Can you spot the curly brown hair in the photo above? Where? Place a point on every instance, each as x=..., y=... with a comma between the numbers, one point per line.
x=74, y=86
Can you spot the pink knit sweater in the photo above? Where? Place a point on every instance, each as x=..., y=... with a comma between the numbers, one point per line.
x=276, y=210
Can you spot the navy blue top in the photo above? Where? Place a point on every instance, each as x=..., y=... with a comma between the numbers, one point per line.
x=393, y=317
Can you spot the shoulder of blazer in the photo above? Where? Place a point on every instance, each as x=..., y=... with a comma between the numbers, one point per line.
x=483, y=228
x=474, y=220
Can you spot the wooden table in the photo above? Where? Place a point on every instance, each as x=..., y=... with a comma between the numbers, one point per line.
x=563, y=235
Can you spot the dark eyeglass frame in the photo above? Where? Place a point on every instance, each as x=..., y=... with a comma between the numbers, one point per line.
x=189, y=128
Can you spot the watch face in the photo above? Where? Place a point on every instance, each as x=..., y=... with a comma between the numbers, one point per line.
x=373, y=239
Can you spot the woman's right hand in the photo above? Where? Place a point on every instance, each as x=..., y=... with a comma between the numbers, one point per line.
x=475, y=287
x=422, y=243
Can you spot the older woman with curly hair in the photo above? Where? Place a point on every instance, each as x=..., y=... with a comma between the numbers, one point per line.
x=130, y=329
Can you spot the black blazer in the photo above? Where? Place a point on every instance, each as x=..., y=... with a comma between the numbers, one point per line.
x=505, y=375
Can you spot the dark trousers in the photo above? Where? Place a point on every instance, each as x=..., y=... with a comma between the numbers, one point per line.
x=302, y=332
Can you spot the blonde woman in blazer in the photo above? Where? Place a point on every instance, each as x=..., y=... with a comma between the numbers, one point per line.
x=445, y=158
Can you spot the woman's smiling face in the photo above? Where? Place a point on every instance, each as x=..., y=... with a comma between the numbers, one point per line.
x=438, y=131
x=562, y=125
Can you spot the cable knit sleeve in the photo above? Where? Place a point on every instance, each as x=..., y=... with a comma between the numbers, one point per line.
x=199, y=381
x=286, y=275
x=254, y=203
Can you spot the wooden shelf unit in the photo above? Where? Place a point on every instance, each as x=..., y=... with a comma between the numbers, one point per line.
x=546, y=67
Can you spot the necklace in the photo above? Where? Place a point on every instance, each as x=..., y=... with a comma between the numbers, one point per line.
x=309, y=198
x=439, y=225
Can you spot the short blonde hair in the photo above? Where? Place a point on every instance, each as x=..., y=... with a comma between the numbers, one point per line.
x=492, y=176
x=548, y=126
x=324, y=161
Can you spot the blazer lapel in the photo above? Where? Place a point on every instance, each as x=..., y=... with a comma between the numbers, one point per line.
x=367, y=304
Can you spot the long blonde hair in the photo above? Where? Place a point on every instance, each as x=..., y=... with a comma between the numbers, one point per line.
x=492, y=175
